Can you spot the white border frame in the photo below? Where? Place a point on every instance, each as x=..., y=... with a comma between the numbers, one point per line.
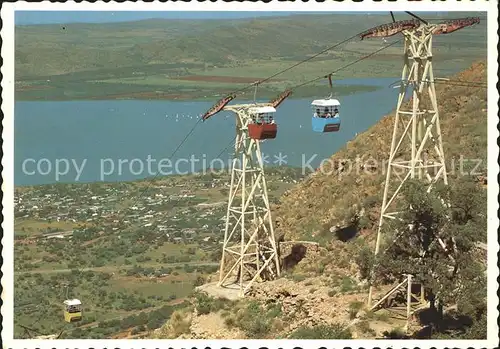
x=7, y=33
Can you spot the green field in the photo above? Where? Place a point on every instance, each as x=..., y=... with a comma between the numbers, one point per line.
x=130, y=276
x=145, y=59
x=118, y=270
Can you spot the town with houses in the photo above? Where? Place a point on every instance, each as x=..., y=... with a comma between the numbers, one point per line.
x=179, y=209
x=120, y=247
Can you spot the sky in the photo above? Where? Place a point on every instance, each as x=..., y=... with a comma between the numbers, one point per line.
x=61, y=17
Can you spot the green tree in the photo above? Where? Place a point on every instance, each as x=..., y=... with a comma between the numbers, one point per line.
x=200, y=280
x=436, y=244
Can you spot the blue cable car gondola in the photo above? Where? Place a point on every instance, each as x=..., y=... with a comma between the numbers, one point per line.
x=326, y=117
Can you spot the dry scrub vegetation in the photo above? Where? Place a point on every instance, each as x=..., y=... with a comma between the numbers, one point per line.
x=324, y=292
x=322, y=201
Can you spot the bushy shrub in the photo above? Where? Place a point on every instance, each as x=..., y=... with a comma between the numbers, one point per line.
x=354, y=308
x=321, y=332
x=206, y=304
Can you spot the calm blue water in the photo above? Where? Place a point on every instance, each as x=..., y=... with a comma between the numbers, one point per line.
x=101, y=133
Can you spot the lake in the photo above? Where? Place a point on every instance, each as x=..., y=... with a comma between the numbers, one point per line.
x=88, y=141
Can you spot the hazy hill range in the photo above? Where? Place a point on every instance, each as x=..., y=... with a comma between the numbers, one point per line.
x=324, y=292
x=135, y=59
x=154, y=59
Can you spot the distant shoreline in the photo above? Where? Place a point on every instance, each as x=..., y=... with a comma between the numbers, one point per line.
x=310, y=92
x=270, y=170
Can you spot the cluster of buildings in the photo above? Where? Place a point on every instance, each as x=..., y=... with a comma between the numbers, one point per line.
x=177, y=209
x=173, y=212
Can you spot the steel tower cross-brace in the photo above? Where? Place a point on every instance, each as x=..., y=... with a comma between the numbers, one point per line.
x=416, y=147
x=249, y=251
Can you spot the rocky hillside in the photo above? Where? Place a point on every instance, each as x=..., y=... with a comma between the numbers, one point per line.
x=323, y=295
x=328, y=198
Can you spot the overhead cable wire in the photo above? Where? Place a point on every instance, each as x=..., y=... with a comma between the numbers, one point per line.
x=313, y=80
x=226, y=147
x=462, y=83
x=245, y=88
x=347, y=65
x=298, y=63
x=172, y=155
x=279, y=73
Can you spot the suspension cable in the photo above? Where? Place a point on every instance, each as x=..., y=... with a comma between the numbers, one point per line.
x=320, y=53
x=348, y=65
x=158, y=172
x=298, y=63
x=321, y=77
x=226, y=147
x=295, y=87
x=243, y=89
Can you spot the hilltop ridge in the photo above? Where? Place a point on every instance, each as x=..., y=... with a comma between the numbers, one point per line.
x=77, y=47
x=204, y=59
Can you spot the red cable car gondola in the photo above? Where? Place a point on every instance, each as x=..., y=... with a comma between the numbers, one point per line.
x=262, y=125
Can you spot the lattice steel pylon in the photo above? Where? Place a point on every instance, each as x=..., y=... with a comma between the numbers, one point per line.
x=249, y=250
x=416, y=147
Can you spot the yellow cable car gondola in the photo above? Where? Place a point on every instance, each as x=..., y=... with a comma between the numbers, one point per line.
x=72, y=310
